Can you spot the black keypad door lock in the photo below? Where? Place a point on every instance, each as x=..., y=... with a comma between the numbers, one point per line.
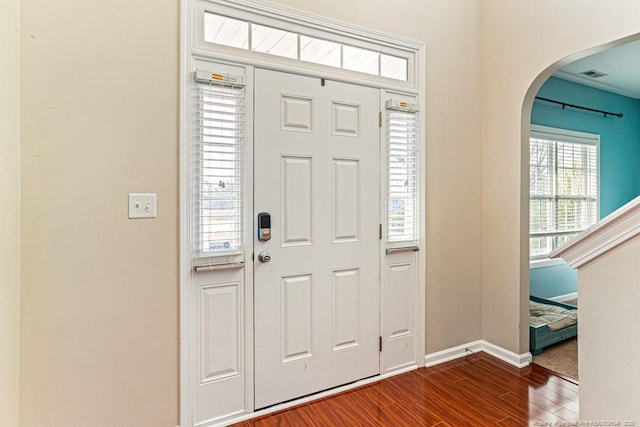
x=264, y=226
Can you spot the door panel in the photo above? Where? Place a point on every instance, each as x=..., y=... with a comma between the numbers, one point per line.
x=400, y=290
x=220, y=323
x=297, y=200
x=346, y=200
x=346, y=320
x=316, y=173
x=219, y=372
x=295, y=317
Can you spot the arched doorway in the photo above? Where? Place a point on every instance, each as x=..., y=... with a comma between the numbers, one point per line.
x=582, y=162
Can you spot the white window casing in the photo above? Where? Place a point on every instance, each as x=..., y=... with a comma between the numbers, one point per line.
x=217, y=164
x=564, y=187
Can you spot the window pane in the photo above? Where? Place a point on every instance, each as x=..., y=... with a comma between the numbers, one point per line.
x=226, y=31
x=274, y=42
x=541, y=214
x=541, y=167
x=403, y=181
x=567, y=215
x=539, y=246
x=218, y=156
x=575, y=214
x=356, y=59
x=393, y=67
x=562, y=239
x=571, y=169
x=319, y=51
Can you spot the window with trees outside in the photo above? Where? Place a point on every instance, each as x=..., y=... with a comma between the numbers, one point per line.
x=564, y=187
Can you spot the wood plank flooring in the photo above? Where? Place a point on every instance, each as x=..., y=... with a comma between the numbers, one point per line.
x=478, y=390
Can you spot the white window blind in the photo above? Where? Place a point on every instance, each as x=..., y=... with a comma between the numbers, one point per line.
x=403, y=172
x=218, y=148
x=564, y=181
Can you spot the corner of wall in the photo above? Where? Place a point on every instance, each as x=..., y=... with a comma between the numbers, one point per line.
x=9, y=212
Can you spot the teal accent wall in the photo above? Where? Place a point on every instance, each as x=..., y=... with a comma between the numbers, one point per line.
x=548, y=282
x=619, y=157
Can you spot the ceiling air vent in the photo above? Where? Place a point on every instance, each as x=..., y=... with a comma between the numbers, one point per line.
x=594, y=74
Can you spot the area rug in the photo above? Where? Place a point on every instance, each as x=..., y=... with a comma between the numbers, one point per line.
x=562, y=357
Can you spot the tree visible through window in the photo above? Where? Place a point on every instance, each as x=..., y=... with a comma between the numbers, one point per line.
x=563, y=171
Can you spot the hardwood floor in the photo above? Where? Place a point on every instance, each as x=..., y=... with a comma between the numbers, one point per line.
x=478, y=390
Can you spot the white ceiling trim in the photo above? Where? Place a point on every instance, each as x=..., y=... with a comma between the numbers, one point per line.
x=576, y=78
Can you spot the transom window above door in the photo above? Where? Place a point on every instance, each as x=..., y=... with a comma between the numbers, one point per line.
x=255, y=31
x=274, y=41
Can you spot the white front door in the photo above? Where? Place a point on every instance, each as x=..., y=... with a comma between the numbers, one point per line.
x=317, y=175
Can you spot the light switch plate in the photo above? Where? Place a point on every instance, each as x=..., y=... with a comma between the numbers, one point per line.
x=142, y=205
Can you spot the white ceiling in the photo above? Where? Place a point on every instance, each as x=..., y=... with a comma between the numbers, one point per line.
x=621, y=64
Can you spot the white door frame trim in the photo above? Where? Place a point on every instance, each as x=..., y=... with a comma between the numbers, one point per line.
x=189, y=54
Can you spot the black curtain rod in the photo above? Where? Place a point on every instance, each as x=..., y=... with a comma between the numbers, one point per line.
x=564, y=104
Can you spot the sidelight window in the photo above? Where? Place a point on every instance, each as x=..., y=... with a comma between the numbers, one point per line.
x=217, y=159
x=403, y=172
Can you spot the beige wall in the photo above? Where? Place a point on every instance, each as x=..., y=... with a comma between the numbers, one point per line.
x=99, y=291
x=99, y=120
x=608, y=353
x=520, y=39
x=9, y=210
x=450, y=30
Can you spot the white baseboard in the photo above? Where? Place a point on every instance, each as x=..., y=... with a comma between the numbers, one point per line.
x=517, y=360
x=565, y=297
x=452, y=353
